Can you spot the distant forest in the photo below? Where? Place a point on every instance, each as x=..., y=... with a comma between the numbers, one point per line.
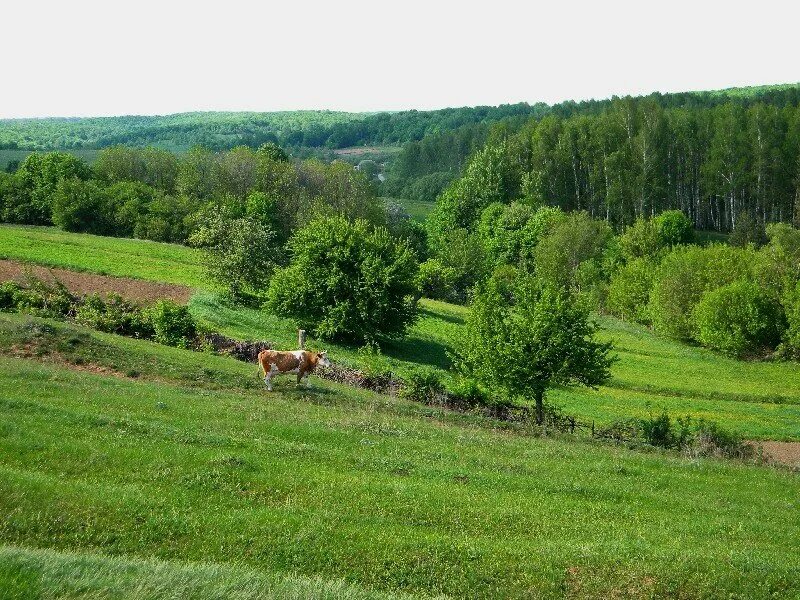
x=424, y=168
x=713, y=155
x=223, y=131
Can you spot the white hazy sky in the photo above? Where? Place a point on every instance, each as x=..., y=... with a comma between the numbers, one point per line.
x=78, y=57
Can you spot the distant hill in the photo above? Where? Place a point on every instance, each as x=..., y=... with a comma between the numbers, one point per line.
x=318, y=128
x=224, y=130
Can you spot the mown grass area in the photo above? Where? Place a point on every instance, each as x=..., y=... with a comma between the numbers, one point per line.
x=418, y=209
x=27, y=573
x=141, y=259
x=340, y=484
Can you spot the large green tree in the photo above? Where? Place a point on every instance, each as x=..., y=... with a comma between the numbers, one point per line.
x=524, y=336
x=347, y=279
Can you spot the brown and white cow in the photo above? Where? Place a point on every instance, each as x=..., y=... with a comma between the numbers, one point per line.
x=301, y=362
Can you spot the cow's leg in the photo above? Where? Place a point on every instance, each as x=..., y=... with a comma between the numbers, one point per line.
x=273, y=369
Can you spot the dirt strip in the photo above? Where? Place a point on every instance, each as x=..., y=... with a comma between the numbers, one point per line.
x=787, y=453
x=138, y=290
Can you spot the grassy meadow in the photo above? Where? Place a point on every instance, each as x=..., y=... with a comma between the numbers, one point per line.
x=170, y=466
x=141, y=259
x=418, y=209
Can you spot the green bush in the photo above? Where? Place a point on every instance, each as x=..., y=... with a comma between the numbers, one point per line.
x=347, y=280
x=463, y=252
x=424, y=385
x=172, y=324
x=748, y=230
x=83, y=206
x=738, y=319
x=674, y=228
x=791, y=337
x=466, y=394
x=684, y=275
x=629, y=291
x=437, y=281
x=41, y=299
x=641, y=240
x=240, y=254
x=573, y=240
x=113, y=315
x=8, y=295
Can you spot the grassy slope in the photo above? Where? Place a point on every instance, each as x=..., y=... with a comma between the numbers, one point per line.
x=27, y=573
x=345, y=484
x=418, y=209
x=141, y=259
x=757, y=400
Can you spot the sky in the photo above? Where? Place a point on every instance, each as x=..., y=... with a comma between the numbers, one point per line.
x=86, y=58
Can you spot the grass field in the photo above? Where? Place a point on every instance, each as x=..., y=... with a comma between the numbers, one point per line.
x=142, y=259
x=418, y=209
x=755, y=400
x=185, y=472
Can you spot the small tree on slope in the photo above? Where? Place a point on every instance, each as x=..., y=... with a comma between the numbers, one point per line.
x=523, y=337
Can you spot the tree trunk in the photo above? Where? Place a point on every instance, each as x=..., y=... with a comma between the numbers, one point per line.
x=539, y=396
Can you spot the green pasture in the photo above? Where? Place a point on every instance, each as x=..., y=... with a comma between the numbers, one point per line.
x=141, y=259
x=181, y=469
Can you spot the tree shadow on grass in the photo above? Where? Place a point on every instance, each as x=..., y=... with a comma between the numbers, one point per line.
x=454, y=319
x=417, y=350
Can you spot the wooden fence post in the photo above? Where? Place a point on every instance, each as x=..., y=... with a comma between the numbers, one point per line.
x=301, y=338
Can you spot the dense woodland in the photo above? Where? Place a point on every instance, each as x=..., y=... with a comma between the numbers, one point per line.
x=223, y=131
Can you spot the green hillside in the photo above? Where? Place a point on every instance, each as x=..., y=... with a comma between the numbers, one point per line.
x=759, y=400
x=182, y=457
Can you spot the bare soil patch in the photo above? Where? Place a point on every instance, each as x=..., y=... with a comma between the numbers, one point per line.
x=787, y=453
x=137, y=290
x=360, y=150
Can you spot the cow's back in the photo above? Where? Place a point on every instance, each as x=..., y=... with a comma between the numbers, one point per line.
x=283, y=361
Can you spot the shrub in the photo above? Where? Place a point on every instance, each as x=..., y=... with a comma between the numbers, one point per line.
x=684, y=275
x=434, y=280
x=575, y=239
x=641, y=240
x=524, y=336
x=424, y=385
x=657, y=431
x=42, y=299
x=629, y=291
x=172, y=324
x=83, y=206
x=791, y=337
x=674, y=228
x=748, y=230
x=347, y=280
x=8, y=295
x=466, y=394
x=114, y=315
x=738, y=319
x=464, y=253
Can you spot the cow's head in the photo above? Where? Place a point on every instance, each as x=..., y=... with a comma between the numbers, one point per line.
x=323, y=360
